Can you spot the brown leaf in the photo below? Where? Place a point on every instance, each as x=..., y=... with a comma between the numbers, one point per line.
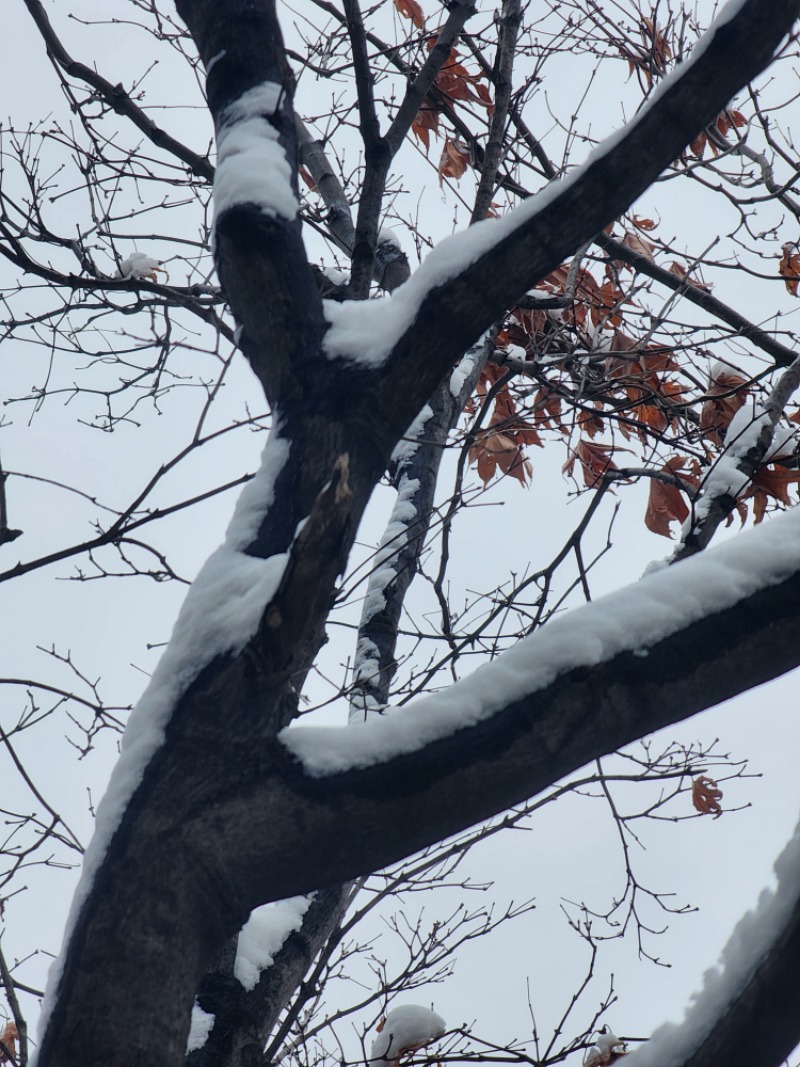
x=771, y=483
x=665, y=503
x=454, y=160
x=595, y=460
x=9, y=1038
x=426, y=119
x=638, y=245
x=410, y=9
x=307, y=177
x=726, y=394
x=789, y=268
x=494, y=450
x=680, y=271
x=706, y=796
x=660, y=48
x=643, y=224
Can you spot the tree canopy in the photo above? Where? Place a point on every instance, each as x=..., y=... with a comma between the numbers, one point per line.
x=558, y=316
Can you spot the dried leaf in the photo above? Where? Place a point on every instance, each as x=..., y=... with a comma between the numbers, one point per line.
x=495, y=450
x=9, y=1038
x=307, y=177
x=789, y=268
x=726, y=394
x=638, y=245
x=410, y=9
x=643, y=224
x=595, y=460
x=425, y=120
x=771, y=483
x=706, y=796
x=454, y=160
x=665, y=503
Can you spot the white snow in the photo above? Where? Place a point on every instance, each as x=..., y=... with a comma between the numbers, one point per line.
x=252, y=167
x=366, y=331
x=395, y=537
x=139, y=265
x=725, y=477
x=602, y=1050
x=408, y=444
x=199, y=1029
x=263, y=935
x=404, y=1030
x=632, y=619
x=751, y=940
x=222, y=610
x=465, y=368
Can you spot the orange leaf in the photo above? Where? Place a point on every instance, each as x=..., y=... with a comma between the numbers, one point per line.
x=643, y=224
x=426, y=119
x=726, y=395
x=789, y=268
x=638, y=245
x=493, y=449
x=771, y=483
x=665, y=503
x=454, y=160
x=706, y=796
x=698, y=146
x=595, y=461
x=307, y=177
x=410, y=9
x=9, y=1037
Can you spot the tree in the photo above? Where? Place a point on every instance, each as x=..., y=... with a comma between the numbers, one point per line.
x=215, y=807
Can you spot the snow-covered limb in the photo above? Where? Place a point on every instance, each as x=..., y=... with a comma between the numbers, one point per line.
x=252, y=167
x=630, y=621
x=744, y=1012
x=415, y=467
x=751, y=440
x=391, y=264
x=512, y=253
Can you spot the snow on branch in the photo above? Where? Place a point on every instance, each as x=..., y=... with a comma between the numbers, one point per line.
x=367, y=332
x=252, y=167
x=631, y=620
x=754, y=938
x=263, y=936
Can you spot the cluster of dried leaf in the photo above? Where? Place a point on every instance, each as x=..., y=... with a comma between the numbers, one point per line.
x=635, y=390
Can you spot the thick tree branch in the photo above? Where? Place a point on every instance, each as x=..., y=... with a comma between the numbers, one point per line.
x=575, y=210
x=215, y=825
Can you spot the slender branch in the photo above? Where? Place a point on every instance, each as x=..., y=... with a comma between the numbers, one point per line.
x=115, y=96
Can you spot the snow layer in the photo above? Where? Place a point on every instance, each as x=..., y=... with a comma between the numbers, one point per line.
x=752, y=939
x=404, y=1030
x=726, y=477
x=252, y=167
x=263, y=935
x=633, y=619
x=366, y=331
x=222, y=610
x=139, y=265
x=603, y=1049
x=201, y=1026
